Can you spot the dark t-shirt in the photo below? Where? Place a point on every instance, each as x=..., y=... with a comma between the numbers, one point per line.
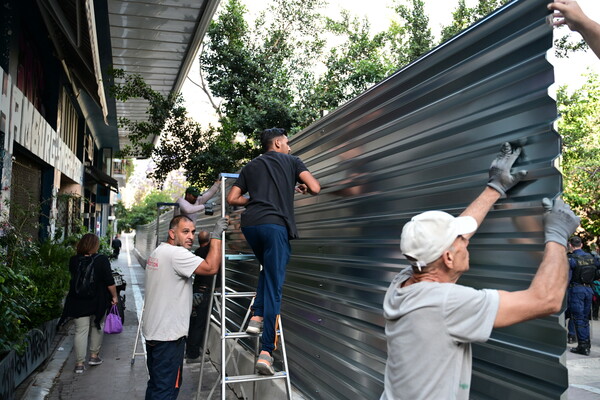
x=202, y=281
x=270, y=180
x=76, y=306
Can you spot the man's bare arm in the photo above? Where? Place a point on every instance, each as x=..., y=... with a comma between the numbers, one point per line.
x=312, y=184
x=210, y=265
x=570, y=14
x=235, y=197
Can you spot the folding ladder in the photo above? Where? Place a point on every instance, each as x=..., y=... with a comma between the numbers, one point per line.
x=229, y=339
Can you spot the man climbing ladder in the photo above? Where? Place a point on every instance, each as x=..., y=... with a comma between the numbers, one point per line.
x=268, y=225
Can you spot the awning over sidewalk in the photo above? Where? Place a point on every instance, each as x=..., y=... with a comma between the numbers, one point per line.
x=101, y=178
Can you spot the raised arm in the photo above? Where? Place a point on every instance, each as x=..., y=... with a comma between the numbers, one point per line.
x=545, y=294
x=235, y=197
x=310, y=184
x=569, y=13
x=210, y=265
x=185, y=207
x=209, y=193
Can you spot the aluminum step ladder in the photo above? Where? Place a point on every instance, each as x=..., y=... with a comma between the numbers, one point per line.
x=229, y=339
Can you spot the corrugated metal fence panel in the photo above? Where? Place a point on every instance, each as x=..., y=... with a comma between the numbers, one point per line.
x=424, y=139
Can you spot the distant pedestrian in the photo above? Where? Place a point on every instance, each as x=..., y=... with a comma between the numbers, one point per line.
x=116, y=246
x=168, y=302
x=192, y=203
x=89, y=299
x=583, y=272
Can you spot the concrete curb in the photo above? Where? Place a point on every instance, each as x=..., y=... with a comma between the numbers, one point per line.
x=41, y=382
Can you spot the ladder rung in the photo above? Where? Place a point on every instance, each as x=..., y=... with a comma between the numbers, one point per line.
x=237, y=294
x=239, y=257
x=240, y=335
x=255, y=377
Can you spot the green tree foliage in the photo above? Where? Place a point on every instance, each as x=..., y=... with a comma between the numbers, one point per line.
x=580, y=129
x=277, y=71
x=161, y=110
x=140, y=214
x=464, y=16
x=420, y=38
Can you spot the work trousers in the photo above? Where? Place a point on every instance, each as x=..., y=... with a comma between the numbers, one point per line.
x=271, y=246
x=198, y=319
x=165, y=366
x=84, y=327
x=580, y=305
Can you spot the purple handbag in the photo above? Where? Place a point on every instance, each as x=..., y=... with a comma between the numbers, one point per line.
x=113, y=322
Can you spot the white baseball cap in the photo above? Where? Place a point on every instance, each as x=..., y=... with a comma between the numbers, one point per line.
x=427, y=235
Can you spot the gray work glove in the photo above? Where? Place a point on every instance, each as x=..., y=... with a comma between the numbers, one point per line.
x=559, y=221
x=501, y=179
x=219, y=228
x=197, y=300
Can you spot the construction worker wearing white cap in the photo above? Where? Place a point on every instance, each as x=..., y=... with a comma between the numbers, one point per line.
x=431, y=321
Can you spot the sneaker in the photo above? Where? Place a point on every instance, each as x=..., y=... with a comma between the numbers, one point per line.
x=264, y=365
x=95, y=361
x=254, y=327
x=79, y=369
x=196, y=360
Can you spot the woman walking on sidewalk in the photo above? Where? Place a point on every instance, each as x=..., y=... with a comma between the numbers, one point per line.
x=91, y=292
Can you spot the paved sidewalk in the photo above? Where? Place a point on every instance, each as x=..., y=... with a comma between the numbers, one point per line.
x=117, y=378
x=584, y=371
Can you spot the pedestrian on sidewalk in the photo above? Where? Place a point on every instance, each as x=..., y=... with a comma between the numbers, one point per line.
x=168, y=302
x=431, y=321
x=268, y=224
x=116, y=245
x=92, y=290
x=583, y=269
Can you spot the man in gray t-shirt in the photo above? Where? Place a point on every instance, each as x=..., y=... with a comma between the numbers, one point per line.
x=168, y=302
x=431, y=321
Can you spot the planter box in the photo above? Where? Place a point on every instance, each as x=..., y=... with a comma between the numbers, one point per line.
x=15, y=368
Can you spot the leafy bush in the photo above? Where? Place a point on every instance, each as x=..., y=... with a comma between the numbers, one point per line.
x=50, y=274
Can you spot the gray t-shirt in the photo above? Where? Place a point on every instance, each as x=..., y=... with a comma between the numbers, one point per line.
x=168, y=298
x=429, y=328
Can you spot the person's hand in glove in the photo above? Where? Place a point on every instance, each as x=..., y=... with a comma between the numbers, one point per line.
x=219, y=228
x=197, y=300
x=559, y=221
x=501, y=178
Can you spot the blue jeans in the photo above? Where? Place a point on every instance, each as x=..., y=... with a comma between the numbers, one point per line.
x=271, y=246
x=165, y=366
x=580, y=306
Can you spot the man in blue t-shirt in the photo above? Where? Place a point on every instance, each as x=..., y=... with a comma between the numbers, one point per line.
x=268, y=224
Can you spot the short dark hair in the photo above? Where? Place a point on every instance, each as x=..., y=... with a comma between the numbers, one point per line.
x=175, y=221
x=267, y=136
x=203, y=237
x=575, y=241
x=88, y=244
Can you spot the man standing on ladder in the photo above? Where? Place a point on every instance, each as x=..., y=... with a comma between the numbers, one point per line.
x=268, y=224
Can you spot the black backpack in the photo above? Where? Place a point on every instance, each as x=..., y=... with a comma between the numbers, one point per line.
x=585, y=270
x=84, y=277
